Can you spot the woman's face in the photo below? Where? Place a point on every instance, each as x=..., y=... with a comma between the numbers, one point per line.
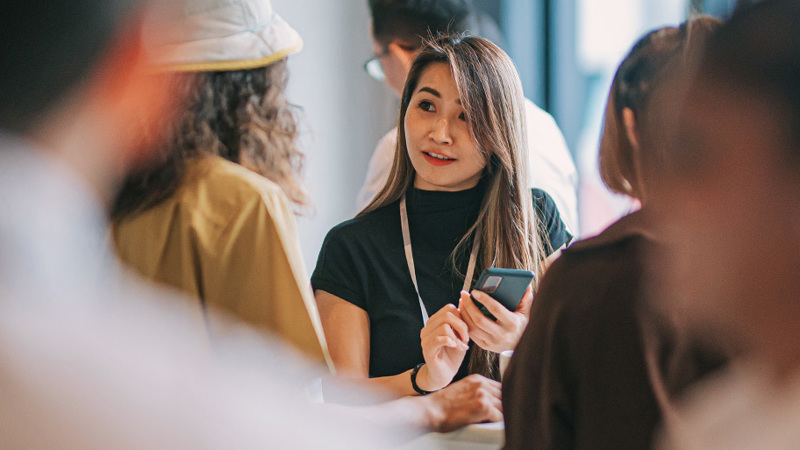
x=442, y=150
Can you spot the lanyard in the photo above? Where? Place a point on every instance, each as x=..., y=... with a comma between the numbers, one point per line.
x=473, y=256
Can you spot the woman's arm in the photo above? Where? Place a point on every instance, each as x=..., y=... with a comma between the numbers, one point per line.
x=347, y=331
x=473, y=399
x=346, y=328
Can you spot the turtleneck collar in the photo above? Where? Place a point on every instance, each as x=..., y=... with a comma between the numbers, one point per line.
x=421, y=201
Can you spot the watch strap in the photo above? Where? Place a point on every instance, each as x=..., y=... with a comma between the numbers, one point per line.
x=414, y=384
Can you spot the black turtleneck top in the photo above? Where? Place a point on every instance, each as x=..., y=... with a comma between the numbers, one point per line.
x=363, y=262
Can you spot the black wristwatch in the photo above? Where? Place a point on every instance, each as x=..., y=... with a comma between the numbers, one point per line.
x=414, y=380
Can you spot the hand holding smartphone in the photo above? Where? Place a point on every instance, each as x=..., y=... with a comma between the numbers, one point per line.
x=507, y=286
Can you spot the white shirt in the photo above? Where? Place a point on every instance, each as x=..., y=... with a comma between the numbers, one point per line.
x=92, y=359
x=551, y=165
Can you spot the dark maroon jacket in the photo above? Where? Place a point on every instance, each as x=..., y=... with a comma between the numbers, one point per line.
x=579, y=377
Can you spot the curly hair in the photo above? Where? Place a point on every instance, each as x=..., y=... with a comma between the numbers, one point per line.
x=242, y=116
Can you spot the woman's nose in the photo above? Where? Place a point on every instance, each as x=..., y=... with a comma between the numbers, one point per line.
x=441, y=132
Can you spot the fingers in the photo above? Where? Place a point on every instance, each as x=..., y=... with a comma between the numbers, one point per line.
x=433, y=342
x=480, y=382
x=451, y=316
x=488, y=397
x=486, y=333
x=465, y=305
x=445, y=339
x=442, y=350
x=524, y=306
x=472, y=400
x=500, y=312
x=475, y=318
x=495, y=412
x=477, y=334
x=483, y=339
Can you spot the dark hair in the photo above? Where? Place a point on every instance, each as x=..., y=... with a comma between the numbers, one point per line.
x=242, y=116
x=412, y=21
x=652, y=63
x=758, y=50
x=48, y=48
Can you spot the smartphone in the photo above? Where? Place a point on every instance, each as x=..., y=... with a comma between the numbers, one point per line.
x=507, y=286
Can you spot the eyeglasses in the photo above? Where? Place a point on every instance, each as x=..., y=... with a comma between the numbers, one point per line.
x=374, y=67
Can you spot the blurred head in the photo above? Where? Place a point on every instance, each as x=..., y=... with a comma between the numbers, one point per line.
x=73, y=77
x=399, y=27
x=732, y=205
x=50, y=49
x=477, y=119
x=233, y=100
x=633, y=140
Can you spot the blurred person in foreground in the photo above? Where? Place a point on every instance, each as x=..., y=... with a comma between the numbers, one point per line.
x=88, y=357
x=397, y=30
x=731, y=208
x=595, y=364
x=211, y=214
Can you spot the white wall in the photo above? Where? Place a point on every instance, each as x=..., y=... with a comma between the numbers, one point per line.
x=345, y=112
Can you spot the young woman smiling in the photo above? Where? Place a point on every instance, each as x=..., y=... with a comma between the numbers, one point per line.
x=456, y=202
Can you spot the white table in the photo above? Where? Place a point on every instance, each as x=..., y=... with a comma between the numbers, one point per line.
x=483, y=436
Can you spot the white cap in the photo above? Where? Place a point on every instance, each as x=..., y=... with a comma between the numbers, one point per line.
x=218, y=35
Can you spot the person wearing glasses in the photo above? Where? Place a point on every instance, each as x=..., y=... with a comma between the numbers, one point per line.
x=212, y=214
x=398, y=28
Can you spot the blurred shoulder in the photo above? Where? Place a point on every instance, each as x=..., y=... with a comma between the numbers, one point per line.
x=634, y=227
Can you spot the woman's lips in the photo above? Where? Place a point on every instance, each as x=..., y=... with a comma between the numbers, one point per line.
x=438, y=159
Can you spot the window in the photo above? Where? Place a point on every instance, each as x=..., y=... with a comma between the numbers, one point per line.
x=567, y=52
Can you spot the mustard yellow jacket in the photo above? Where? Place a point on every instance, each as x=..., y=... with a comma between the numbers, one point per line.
x=227, y=237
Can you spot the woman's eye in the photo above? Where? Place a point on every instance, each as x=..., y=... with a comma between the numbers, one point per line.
x=462, y=117
x=425, y=105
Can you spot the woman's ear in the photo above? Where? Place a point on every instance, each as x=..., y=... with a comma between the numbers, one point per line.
x=629, y=122
x=631, y=131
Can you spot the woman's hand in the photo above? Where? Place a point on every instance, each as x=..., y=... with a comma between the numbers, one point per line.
x=471, y=400
x=445, y=341
x=488, y=334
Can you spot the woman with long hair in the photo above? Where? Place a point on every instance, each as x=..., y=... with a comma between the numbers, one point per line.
x=214, y=215
x=597, y=367
x=456, y=203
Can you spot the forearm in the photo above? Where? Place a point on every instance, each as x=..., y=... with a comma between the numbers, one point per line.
x=471, y=400
x=393, y=386
x=404, y=419
x=415, y=414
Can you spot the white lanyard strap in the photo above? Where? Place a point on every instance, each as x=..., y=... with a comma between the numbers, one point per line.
x=473, y=257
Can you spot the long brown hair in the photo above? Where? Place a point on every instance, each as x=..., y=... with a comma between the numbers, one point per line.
x=242, y=116
x=491, y=93
x=658, y=58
